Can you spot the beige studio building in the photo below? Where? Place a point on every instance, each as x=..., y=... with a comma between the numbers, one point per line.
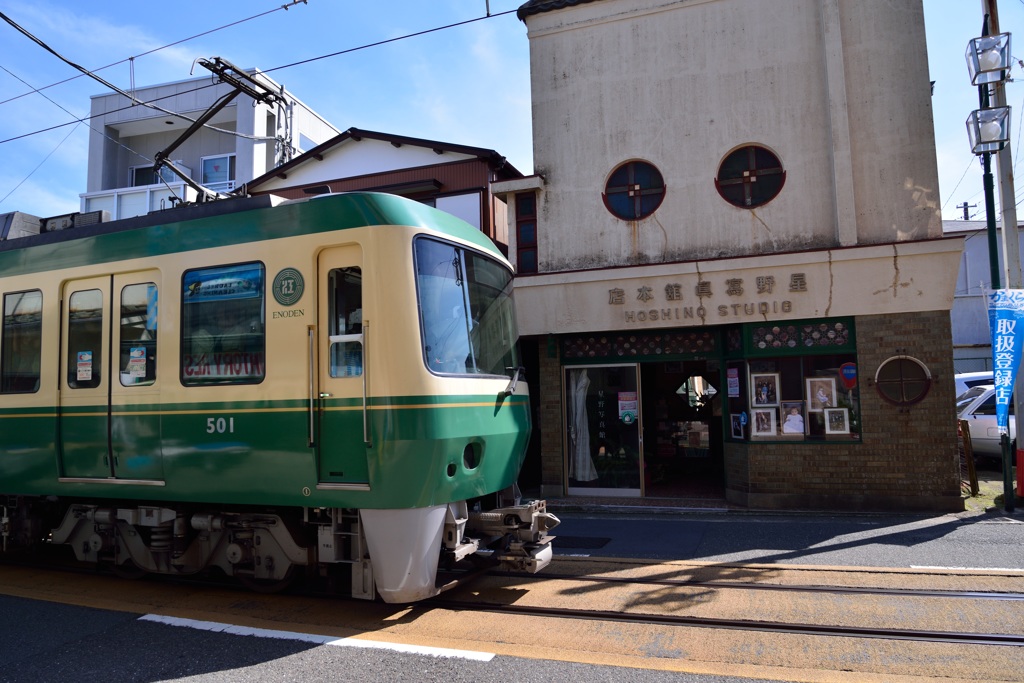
x=732, y=280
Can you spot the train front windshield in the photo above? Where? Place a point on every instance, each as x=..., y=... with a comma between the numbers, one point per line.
x=467, y=317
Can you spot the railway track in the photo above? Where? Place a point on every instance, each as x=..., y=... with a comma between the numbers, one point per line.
x=924, y=636
x=904, y=613
x=746, y=585
x=667, y=616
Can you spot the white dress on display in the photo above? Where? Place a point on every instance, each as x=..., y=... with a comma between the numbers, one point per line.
x=581, y=465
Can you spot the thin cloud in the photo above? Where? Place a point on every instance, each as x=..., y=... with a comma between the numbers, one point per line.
x=93, y=42
x=40, y=197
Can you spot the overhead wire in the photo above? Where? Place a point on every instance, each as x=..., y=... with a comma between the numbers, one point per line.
x=39, y=165
x=59, y=144
x=1016, y=159
x=131, y=60
x=113, y=87
x=263, y=71
x=64, y=109
x=135, y=101
x=390, y=40
x=94, y=116
x=157, y=49
x=958, y=183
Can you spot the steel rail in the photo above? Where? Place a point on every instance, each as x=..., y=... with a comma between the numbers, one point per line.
x=738, y=624
x=913, y=592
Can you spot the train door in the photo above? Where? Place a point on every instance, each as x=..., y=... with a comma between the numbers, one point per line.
x=84, y=379
x=344, y=437
x=108, y=428
x=135, y=437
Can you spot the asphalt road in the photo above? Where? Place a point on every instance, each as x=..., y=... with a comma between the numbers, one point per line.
x=964, y=540
x=48, y=641
x=42, y=642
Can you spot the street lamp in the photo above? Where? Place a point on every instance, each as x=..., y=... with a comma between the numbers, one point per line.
x=988, y=58
x=988, y=61
x=988, y=129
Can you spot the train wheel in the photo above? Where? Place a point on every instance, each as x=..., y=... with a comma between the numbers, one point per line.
x=269, y=585
x=128, y=570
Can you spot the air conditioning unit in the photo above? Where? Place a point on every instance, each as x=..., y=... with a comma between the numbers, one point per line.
x=75, y=220
x=91, y=218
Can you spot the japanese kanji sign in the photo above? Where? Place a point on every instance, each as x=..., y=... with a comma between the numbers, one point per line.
x=1006, y=318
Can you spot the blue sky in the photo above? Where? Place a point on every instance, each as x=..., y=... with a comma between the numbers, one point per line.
x=466, y=85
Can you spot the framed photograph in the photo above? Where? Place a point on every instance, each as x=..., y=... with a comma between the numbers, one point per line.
x=821, y=394
x=837, y=421
x=764, y=422
x=764, y=389
x=793, y=417
x=737, y=427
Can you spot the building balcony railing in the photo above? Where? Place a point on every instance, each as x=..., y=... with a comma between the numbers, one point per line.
x=225, y=186
x=126, y=202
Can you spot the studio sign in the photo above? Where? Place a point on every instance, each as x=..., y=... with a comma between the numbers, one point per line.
x=705, y=289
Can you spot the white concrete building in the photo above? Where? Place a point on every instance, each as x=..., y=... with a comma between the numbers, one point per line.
x=742, y=196
x=450, y=177
x=972, y=334
x=252, y=138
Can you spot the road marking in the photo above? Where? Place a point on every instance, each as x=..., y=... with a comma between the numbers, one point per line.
x=318, y=639
x=972, y=569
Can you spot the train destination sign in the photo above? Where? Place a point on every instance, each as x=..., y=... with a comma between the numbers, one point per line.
x=239, y=365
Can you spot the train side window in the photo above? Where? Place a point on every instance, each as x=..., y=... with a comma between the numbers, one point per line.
x=138, y=334
x=346, y=328
x=21, y=342
x=222, y=325
x=85, y=339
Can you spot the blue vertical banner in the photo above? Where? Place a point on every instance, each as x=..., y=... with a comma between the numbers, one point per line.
x=1006, y=318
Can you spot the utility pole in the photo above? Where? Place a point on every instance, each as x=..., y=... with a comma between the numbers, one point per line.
x=1007, y=201
x=1011, y=254
x=966, y=206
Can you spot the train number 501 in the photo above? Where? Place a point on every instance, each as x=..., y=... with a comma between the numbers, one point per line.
x=220, y=425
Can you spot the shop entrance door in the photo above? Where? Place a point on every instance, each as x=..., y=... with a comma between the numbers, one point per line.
x=683, y=453
x=605, y=448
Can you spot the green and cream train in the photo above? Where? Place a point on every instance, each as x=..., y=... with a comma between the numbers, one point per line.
x=327, y=386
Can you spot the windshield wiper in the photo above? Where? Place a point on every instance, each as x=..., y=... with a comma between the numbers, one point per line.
x=511, y=388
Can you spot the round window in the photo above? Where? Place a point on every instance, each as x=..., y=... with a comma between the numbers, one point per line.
x=903, y=380
x=750, y=176
x=634, y=190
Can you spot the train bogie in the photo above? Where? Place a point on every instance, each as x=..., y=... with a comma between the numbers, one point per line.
x=311, y=385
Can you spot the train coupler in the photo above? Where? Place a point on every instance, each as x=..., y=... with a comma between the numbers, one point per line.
x=525, y=528
x=525, y=557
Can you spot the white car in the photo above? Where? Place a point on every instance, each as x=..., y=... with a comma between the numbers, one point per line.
x=977, y=405
x=966, y=380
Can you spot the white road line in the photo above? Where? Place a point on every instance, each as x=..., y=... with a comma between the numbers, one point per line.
x=973, y=569
x=318, y=639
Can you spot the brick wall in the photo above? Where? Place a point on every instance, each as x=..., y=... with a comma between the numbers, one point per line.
x=907, y=459
x=549, y=417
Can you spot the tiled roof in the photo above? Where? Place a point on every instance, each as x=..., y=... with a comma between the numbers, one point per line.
x=496, y=161
x=539, y=6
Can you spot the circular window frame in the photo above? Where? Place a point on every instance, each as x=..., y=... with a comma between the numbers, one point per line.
x=746, y=175
x=634, y=190
x=902, y=381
